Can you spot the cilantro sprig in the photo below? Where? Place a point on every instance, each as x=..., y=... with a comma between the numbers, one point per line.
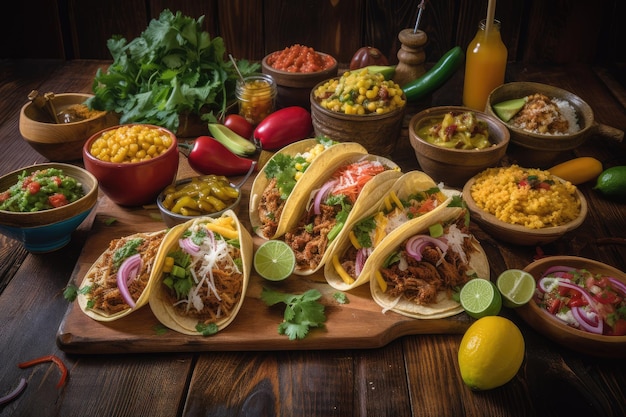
x=302, y=311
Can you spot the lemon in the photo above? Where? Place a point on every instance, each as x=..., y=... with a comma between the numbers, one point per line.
x=516, y=286
x=491, y=353
x=612, y=182
x=479, y=298
x=274, y=260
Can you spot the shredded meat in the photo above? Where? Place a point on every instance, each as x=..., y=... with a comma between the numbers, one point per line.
x=309, y=239
x=541, y=115
x=104, y=293
x=421, y=280
x=270, y=209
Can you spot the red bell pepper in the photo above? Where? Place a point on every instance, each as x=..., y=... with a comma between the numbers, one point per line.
x=283, y=127
x=208, y=156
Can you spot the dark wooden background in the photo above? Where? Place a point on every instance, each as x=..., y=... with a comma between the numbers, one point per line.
x=535, y=31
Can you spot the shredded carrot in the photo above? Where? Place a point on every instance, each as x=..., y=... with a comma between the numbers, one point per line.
x=352, y=178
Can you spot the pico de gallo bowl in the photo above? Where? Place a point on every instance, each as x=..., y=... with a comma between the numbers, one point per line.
x=580, y=304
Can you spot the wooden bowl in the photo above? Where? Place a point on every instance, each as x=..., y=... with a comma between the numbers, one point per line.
x=48, y=230
x=454, y=167
x=541, y=151
x=60, y=141
x=518, y=234
x=294, y=88
x=133, y=184
x=378, y=133
x=554, y=329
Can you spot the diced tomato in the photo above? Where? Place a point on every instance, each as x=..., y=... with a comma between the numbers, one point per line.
x=543, y=185
x=553, y=305
x=33, y=187
x=607, y=297
x=577, y=301
x=4, y=196
x=56, y=180
x=57, y=200
x=619, y=328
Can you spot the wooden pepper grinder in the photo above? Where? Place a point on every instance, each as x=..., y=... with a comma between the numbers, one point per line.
x=411, y=56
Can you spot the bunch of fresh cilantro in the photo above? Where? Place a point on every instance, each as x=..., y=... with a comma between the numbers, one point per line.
x=172, y=68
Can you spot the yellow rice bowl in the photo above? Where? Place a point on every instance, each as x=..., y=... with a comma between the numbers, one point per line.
x=520, y=196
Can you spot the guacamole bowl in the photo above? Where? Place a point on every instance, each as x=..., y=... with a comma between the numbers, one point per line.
x=49, y=229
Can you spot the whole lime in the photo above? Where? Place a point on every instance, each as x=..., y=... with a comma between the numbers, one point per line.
x=612, y=182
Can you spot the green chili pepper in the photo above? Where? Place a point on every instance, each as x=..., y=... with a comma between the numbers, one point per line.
x=436, y=76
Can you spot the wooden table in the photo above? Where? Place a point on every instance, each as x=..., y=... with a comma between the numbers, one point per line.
x=411, y=375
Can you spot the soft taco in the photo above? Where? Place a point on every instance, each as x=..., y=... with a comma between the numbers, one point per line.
x=417, y=274
x=350, y=187
x=119, y=281
x=202, y=281
x=414, y=197
x=287, y=179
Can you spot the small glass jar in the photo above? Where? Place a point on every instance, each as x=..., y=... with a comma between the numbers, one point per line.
x=257, y=97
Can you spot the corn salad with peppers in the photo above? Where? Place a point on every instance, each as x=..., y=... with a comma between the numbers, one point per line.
x=360, y=92
x=129, y=144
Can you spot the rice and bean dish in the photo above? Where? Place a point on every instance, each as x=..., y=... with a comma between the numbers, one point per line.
x=546, y=116
x=526, y=196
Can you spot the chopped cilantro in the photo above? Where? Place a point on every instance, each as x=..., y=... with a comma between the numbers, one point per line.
x=341, y=298
x=129, y=249
x=207, y=329
x=362, y=231
x=301, y=313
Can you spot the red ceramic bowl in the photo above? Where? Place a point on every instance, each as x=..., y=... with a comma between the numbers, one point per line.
x=133, y=184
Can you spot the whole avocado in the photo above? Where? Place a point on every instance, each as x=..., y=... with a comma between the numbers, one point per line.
x=612, y=182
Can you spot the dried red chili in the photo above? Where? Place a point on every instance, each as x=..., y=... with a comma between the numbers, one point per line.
x=48, y=358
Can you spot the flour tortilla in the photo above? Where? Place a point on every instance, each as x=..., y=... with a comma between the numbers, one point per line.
x=160, y=304
x=303, y=187
x=408, y=184
x=445, y=306
x=371, y=193
x=100, y=272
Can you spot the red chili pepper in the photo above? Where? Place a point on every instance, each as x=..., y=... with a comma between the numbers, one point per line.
x=208, y=156
x=48, y=358
x=283, y=127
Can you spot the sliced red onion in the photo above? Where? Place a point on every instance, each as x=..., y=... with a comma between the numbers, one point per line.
x=361, y=257
x=15, y=393
x=544, y=284
x=587, y=324
x=129, y=270
x=417, y=243
x=321, y=194
x=188, y=246
x=557, y=268
x=617, y=284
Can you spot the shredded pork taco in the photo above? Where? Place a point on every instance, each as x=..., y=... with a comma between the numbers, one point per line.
x=414, y=197
x=286, y=180
x=349, y=188
x=417, y=274
x=118, y=283
x=203, y=277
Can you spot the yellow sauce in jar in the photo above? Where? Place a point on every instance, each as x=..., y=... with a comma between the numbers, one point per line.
x=256, y=95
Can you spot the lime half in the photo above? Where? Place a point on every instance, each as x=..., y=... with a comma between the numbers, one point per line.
x=517, y=287
x=274, y=260
x=480, y=297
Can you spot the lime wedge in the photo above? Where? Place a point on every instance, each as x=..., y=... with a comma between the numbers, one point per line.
x=517, y=287
x=274, y=260
x=480, y=297
x=507, y=109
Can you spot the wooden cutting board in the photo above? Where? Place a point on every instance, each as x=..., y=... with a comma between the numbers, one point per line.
x=358, y=324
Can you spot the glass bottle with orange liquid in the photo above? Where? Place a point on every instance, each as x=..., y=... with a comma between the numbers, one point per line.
x=485, y=64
